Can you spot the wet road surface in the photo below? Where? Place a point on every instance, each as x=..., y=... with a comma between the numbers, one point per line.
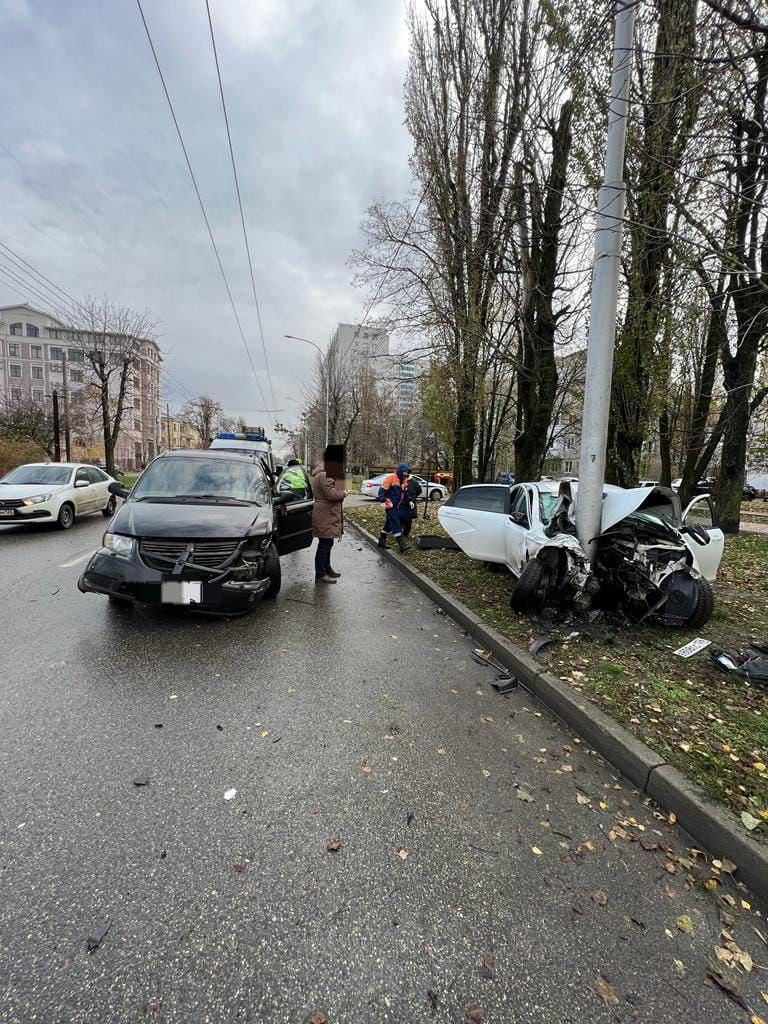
x=489, y=864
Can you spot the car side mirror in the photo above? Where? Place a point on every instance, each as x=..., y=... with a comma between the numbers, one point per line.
x=82, y=483
x=519, y=518
x=279, y=470
x=283, y=498
x=118, y=489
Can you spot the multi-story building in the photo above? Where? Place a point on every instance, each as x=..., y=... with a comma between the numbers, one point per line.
x=177, y=433
x=35, y=351
x=362, y=346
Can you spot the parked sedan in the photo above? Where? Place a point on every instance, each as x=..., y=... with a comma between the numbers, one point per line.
x=436, y=492
x=650, y=556
x=54, y=492
x=199, y=528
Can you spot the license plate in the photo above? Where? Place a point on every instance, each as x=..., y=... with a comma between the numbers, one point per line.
x=8, y=512
x=183, y=592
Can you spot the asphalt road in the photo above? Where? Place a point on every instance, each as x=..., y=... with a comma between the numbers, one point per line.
x=479, y=870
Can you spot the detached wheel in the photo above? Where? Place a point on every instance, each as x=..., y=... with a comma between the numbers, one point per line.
x=66, y=517
x=109, y=509
x=530, y=593
x=274, y=572
x=705, y=604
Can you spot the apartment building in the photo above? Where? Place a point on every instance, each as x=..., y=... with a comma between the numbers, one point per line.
x=35, y=350
x=177, y=433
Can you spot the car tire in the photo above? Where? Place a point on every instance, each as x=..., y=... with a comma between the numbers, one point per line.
x=435, y=495
x=274, y=572
x=109, y=510
x=66, y=517
x=530, y=593
x=705, y=604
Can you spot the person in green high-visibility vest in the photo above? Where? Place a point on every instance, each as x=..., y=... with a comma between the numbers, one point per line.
x=294, y=478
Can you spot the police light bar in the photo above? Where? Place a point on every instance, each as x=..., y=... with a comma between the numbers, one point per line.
x=222, y=436
x=255, y=437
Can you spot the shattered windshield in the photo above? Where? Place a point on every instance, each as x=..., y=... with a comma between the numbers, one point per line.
x=547, y=504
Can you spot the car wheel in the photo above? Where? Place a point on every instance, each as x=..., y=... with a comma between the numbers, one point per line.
x=705, y=604
x=530, y=593
x=66, y=516
x=109, y=510
x=274, y=572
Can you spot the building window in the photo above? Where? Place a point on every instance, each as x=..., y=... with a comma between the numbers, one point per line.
x=16, y=394
x=568, y=467
x=13, y=349
x=17, y=328
x=56, y=353
x=36, y=351
x=76, y=376
x=15, y=370
x=37, y=373
x=32, y=331
x=37, y=395
x=75, y=355
x=55, y=367
x=53, y=332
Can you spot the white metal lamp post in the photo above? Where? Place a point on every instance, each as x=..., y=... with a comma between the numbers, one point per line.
x=314, y=344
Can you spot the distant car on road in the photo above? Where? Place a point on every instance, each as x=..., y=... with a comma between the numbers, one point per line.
x=436, y=492
x=707, y=486
x=54, y=492
x=199, y=528
x=505, y=478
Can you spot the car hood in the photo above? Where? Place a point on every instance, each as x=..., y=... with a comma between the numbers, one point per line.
x=620, y=502
x=16, y=491
x=190, y=522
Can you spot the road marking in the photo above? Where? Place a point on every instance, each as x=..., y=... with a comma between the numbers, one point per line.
x=78, y=558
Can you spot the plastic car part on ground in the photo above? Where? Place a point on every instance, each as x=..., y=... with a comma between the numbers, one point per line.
x=751, y=664
x=431, y=542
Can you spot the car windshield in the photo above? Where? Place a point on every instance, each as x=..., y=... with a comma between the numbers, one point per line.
x=38, y=475
x=206, y=480
x=547, y=504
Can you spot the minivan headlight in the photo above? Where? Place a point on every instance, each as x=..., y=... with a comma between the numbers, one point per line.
x=122, y=546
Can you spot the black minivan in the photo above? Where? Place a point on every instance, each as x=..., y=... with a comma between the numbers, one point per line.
x=199, y=528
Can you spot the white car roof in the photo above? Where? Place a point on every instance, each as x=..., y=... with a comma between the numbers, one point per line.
x=61, y=465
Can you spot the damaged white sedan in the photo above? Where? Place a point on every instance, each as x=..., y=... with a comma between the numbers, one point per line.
x=652, y=560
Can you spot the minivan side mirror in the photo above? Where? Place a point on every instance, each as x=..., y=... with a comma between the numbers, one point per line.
x=118, y=489
x=283, y=498
x=279, y=469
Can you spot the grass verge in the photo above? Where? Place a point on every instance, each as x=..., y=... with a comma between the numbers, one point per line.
x=710, y=726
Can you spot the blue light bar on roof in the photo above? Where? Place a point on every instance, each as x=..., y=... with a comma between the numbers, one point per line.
x=224, y=436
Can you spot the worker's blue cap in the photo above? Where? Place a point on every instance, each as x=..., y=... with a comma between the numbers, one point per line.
x=403, y=469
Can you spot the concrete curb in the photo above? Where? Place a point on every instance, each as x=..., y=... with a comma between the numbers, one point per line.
x=714, y=827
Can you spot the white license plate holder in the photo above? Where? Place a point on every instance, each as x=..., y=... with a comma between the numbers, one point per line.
x=181, y=592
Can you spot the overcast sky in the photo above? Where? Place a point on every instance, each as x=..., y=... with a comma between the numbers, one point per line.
x=95, y=194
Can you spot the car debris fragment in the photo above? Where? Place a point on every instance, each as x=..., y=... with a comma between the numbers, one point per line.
x=751, y=663
x=97, y=934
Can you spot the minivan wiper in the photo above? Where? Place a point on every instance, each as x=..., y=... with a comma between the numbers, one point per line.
x=225, y=499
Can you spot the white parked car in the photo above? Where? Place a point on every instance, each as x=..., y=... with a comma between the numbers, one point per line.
x=54, y=492
x=651, y=558
x=436, y=492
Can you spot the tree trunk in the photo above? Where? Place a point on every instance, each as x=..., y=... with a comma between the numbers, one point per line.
x=464, y=441
x=665, y=446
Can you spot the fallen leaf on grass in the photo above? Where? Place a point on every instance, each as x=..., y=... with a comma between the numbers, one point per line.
x=536, y=850
x=264, y=733
x=724, y=865
x=367, y=770
x=679, y=966
x=749, y=821
x=600, y=897
x=333, y=845
x=715, y=977
x=582, y=798
x=523, y=794
x=606, y=991
x=670, y=868
x=684, y=924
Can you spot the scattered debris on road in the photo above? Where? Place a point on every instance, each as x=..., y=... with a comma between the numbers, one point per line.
x=97, y=934
x=230, y=794
x=141, y=780
x=334, y=845
x=539, y=644
x=751, y=663
x=692, y=647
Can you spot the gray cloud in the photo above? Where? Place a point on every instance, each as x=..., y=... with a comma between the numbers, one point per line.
x=95, y=194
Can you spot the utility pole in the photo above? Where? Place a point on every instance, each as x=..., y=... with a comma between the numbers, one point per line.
x=168, y=423
x=609, y=229
x=56, y=427
x=65, y=397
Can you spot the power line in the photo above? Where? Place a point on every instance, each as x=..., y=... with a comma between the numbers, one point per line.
x=200, y=199
x=17, y=259
x=239, y=200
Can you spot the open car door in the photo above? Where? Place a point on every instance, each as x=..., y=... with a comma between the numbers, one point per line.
x=475, y=517
x=293, y=518
x=707, y=556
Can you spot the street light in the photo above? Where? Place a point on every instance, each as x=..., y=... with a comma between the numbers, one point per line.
x=314, y=344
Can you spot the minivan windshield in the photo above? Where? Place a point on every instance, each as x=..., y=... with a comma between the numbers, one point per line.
x=38, y=475
x=202, y=480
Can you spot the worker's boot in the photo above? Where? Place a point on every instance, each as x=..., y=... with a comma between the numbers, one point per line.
x=402, y=545
x=382, y=539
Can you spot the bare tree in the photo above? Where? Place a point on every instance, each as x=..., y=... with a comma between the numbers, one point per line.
x=204, y=414
x=110, y=337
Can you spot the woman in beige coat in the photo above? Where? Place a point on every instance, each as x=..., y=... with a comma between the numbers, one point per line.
x=327, y=516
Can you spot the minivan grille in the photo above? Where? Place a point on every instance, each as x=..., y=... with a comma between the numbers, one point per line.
x=161, y=554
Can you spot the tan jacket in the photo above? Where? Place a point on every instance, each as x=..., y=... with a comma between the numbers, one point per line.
x=327, y=517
